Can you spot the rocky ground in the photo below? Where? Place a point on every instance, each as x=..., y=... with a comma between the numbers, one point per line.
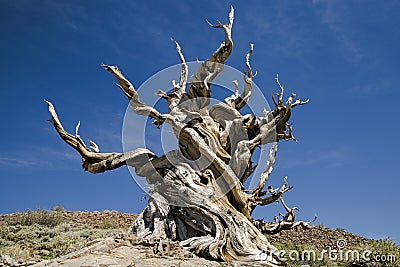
x=95, y=219
x=318, y=237
x=101, y=239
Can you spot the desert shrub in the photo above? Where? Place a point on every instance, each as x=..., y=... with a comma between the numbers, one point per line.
x=41, y=217
x=67, y=242
x=109, y=223
x=15, y=251
x=22, y=242
x=47, y=234
x=4, y=236
x=58, y=208
x=25, y=233
x=3, y=231
x=384, y=249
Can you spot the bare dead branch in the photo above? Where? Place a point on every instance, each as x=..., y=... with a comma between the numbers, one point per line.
x=174, y=97
x=184, y=72
x=280, y=95
x=290, y=212
x=225, y=49
x=94, y=146
x=96, y=162
x=265, y=175
x=137, y=106
x=299, y=102
x=200, y=82
x=248, y=83
x=230, y=100
x=279, y=226
x=275, y=194
x=239, y=101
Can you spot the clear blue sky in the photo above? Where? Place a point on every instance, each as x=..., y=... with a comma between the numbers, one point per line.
x=343, y=55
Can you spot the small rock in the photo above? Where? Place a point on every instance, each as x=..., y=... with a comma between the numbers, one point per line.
x=103, y=248
x=7, y=260
x=30, y=262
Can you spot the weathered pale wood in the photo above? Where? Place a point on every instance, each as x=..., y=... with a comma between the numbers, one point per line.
x=206, y=208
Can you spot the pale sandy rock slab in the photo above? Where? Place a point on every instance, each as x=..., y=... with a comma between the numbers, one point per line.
x=111, y=252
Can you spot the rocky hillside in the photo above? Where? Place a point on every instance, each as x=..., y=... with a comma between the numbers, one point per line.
x=63, y=238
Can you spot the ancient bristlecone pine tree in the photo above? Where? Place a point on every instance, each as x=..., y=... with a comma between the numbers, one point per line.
x=205, y=206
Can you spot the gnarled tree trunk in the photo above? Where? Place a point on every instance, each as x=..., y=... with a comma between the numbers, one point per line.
x=198, y=195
